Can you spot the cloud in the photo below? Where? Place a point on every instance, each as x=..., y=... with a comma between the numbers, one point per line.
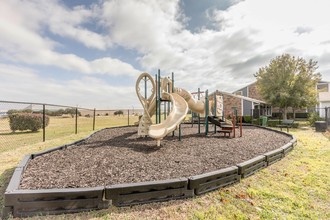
x=249, y=33
x=35, y=15
x=243, y=38
x=23, y=39
x=24, y=84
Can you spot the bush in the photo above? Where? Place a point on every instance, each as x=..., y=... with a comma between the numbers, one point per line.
x=247, y=119
x=301, y=115
x=119, y=112
x=313, y=117
x=27, y=121
x=273, y=123
x=15, y=111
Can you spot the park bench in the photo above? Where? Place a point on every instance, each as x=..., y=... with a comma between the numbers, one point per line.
x=286, y=124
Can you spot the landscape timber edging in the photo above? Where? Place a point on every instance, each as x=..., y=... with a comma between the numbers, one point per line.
x=25, y=203
x=214, y=180
x=146, y=192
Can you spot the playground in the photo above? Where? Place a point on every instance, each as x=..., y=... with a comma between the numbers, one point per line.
x=118, y=155
x=154, y=161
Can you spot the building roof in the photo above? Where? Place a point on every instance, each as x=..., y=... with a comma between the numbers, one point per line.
x=245, y=86
x=240, y=97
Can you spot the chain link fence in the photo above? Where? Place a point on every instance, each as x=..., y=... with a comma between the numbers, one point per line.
x=24, y=123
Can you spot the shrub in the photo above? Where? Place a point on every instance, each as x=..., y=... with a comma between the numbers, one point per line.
x=27, y=121
x=273, y=123
x=15, y=111
x=247, y=119
x=313, y=117
x=301, y=115
x=119, y=112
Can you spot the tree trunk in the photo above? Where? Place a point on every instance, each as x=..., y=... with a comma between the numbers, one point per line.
x=285, y=112
x=294, y=113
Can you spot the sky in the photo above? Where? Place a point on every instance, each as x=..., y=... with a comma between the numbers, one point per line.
x=90, y=53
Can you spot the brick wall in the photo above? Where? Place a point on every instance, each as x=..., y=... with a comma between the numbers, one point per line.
x=229, y=102
x=253, y=92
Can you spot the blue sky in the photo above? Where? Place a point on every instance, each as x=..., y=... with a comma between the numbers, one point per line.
x=90, y=53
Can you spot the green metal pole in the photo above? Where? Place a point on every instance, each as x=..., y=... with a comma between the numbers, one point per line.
x=94, y=119
x=206, y=112
x=199, y=117
x=172, y=92
x=180, y=132
x=215, y=110
x=76, y=127
x=164, y=111
x=156, y=98
x=44, y=123
x=159, y=100
x=128, y=117
x=169, y=90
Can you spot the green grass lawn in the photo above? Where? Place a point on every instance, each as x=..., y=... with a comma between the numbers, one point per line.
x=58, y=127
x=297, y=187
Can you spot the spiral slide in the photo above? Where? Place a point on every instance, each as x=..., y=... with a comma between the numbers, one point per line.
x=177, y=115
x=181, y=101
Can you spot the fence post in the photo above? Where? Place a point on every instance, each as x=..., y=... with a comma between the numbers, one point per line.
x=76, y=130
x=128, y=117
x=326, y=116
x=94, y=119
x=43, y=123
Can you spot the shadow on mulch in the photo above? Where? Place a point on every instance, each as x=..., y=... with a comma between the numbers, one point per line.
x=139, y=144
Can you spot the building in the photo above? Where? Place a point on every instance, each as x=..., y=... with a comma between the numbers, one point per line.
x=323, y=89
x=252, y=102
x=243, y=105
x=251, y=91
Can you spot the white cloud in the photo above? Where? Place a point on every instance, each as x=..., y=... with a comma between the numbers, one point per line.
x=247, y=35
x=24, y=84
x=23, y=41
x=250, y=33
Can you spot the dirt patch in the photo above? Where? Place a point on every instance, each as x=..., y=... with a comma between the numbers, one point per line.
x=118, y=155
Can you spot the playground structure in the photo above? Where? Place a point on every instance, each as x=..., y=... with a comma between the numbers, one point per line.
x=179, y=101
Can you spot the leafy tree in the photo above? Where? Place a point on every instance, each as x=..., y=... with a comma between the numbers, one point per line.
x=119, y=112
x=289, y=82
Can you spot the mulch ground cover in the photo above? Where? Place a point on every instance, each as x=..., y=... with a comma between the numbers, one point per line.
x=118, y=155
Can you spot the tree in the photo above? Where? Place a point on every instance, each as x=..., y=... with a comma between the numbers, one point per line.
x=288, y=82
x=119, y=112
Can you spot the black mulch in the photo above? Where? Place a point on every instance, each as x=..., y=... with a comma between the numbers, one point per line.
x=118, y=155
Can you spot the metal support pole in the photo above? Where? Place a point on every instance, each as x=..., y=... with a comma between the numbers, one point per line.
x=94, y=112
x=159, y=99
x=199, y=117
x=76, y=130
x=206, y=112
x=172, y=92
x=169, y=90
x=128, y=117
x=215, y=110
x=43, y=123
x=240, y=127
x=234, y=122
x=180, y=132
x=156, y=98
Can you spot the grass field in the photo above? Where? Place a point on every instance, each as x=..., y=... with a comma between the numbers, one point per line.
x=58, y=127
x=297, y=187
